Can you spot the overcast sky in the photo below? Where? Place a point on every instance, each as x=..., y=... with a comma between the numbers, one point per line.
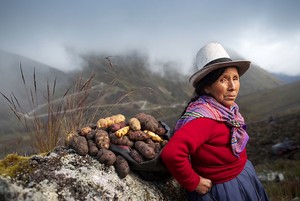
x=265, y=32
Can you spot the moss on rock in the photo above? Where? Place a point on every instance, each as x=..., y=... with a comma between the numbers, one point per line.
x=13, y=164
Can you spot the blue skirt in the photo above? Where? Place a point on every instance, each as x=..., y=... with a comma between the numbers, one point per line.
x=245, y=187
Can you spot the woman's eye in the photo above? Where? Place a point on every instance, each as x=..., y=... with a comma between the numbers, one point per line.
x=222, y=80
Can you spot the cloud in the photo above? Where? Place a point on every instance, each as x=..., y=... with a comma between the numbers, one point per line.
x=166, y=30
x=275, y=51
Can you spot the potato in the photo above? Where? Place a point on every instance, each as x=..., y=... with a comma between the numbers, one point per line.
x=134, y=124
x=160, y=130
x=148, y=122
x=137, y=135
x=93, y=149
x=102, y=139
x=85, y=130
x=136, y=156
x=117, y=126
x=147, y=151
x=122, y=167
x=119, y=118
x=70, y=137
x=123, y=131
x=106, y=157
x=102, y=123
x=153, y=136
x=91, y=135
x=124, y=140
x=80, y=145
x=109, y=121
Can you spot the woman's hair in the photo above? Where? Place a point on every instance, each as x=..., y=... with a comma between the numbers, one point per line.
x=208, y=80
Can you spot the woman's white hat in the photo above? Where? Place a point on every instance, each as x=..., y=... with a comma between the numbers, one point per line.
x=213, y=56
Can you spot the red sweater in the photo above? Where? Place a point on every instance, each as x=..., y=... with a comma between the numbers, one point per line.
x=202, y=148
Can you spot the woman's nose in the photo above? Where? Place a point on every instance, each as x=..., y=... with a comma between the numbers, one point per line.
x=231, y=85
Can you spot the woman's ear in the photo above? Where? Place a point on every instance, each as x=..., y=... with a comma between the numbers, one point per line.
x=207, y=90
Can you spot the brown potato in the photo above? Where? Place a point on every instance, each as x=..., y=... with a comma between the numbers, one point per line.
x=122, y=167
x=138, y=135
x=148, y=122
x=147, y=151
x=160, y=130
x=136, y=156
x=80, y=145
x=120, y=140
x=93, y=149
x=106, y=157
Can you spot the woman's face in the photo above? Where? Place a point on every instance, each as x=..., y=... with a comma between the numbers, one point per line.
x=226, y=88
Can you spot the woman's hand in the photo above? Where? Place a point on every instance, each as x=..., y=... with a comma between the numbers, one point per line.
x=204, y=186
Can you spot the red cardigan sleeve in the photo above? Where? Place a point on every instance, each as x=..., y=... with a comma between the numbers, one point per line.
x=184, y=142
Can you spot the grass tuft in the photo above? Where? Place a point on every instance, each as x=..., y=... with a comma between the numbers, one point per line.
x=62, y=114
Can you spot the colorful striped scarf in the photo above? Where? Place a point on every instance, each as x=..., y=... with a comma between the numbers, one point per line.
x=208, y=107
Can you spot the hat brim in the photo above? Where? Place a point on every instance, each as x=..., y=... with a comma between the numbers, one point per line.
x=242, y=67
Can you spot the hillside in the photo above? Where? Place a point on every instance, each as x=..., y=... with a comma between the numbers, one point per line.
x=11, y=79
x=257, y=79
x=165, y=93
x=14, y=71
x=270, y=103
x=287, y=78
x=123, y=74
x=264, y=134
x=123, y=84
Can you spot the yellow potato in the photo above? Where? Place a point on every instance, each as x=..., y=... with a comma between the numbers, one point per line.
x=123, y=131
x=134, y=124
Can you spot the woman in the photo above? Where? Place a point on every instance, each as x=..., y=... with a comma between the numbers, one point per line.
x=207, y=154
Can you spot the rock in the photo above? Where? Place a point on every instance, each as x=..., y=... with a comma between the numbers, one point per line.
x=271, y=176
x=287, y=146
x=66, y=175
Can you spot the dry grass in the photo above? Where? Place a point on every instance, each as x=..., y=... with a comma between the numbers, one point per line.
x=78, y=106
x=70, y=113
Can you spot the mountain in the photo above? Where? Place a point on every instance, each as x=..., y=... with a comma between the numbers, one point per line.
x=11, y=79
x=167, y=91
x=266, y=104
x=257, y=79
x=122, y=84
x=127, y=73
x=287, y=78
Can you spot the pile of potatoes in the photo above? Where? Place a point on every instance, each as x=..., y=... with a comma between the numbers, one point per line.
x=142, y=135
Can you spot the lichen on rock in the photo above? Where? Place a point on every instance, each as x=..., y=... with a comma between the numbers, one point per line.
x=65, y=175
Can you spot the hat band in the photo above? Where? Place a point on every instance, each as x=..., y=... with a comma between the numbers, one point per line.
x=218, y=61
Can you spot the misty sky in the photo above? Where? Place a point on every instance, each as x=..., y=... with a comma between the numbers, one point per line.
x=53, y=32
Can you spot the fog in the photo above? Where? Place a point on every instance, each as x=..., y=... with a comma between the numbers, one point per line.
x=56, y=32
